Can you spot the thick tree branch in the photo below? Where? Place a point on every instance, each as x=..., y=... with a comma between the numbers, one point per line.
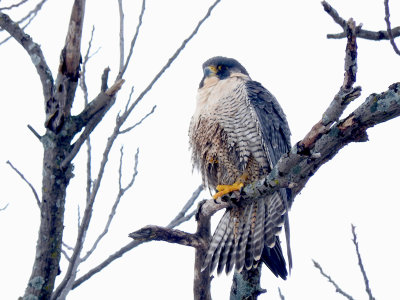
x=157, y=233
x=58, y=107
x=90, y=117
x=361, y=33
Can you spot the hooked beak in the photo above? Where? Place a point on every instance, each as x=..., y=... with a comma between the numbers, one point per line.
x=210, y=71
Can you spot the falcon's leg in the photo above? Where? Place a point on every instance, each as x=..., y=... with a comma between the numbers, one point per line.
x=226, y=189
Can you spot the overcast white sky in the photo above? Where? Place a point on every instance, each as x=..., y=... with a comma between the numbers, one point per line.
x=283, y=45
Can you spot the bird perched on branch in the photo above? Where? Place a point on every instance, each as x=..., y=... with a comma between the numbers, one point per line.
x=237, y=134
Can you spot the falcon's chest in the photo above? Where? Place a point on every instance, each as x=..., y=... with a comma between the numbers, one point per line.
x=224, y=133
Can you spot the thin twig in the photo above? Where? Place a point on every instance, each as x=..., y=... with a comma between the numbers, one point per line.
x=35, y=194
x=84, y=88
x=138, y=123
x=34, y=52
x=29, y=16
x=186, y=207
x=389, y=29
x=360, y=264
x=280, y=294
x=338, y=289
x=171, y=59
x=63, y=252
x=35, y=133
x=5, y=207
x=116, y=202
x=129, y=98
x=133, y=42
x=14, y=5
x=121, y=36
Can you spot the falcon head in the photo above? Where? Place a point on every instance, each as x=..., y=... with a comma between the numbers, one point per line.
x=221, y=68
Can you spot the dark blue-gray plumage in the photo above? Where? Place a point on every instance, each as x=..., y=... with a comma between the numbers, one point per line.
x=237, y=134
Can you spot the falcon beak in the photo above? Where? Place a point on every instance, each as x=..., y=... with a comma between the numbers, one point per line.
x=210, y=71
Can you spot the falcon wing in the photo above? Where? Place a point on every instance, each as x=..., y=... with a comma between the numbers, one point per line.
x=275, y=133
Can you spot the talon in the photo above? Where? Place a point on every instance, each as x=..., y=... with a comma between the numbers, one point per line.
x=226, y=189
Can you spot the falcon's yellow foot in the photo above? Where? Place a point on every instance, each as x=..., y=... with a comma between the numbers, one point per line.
x=226, y=189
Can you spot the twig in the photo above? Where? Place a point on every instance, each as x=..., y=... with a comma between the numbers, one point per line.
x=84, y=88
x=35, y=132
x=361, y=33
x=34, y=52
x=116, y=202
x=121, y=35
x=35, y=194
x=388, y=26
x=140, y=122
x=14, y=5
x=129, y=98
x=29, y=16
x=170, y=60
x=133, y=42
x=63, y=252
x=360, y=264
x=186, y=207
x=280, y=294
x=5, y=207
x=338, y=289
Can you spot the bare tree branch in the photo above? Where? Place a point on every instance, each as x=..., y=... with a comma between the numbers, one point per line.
x=29, y=17
x=116, y=255
x=90, y=117
x=157, y=233
x=33, y=51
x=360, y=264
x=170, y=60
x=133, y=42
x=361, y=33
x=35, y=133
x=346, y=92
x=338, y=289
x=186, y=207
x=388, y=27
x=281, y=296
x=35, y=194
x=5, y=207
x=140, y=122
x=121, y=35
x=84, y=88
x=14, y=5
x=121, y=192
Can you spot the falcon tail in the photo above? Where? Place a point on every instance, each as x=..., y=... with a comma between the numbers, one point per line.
x=247, y=234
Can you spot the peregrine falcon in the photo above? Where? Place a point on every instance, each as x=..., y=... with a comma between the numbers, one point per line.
x=237, y=134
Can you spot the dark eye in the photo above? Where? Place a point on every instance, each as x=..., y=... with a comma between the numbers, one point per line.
x=220, y=68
